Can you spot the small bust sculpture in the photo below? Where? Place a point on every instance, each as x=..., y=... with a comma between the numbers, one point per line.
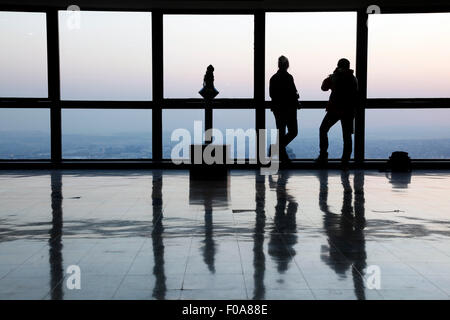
x=208, y=91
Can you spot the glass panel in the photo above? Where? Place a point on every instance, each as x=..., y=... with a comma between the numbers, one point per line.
x=409, y=55
x=306, y=144
x=23, y=55
x=313, y=42
x=235, y=119
x=181, y=119
x=24, y=134
x=108, y=57
x=106, y=134
x=192, y=42
x=423, y=133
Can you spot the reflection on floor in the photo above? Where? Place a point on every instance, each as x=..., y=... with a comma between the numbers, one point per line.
x=161, y=235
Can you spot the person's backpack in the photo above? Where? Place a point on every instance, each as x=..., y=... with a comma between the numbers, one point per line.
x=399, y=161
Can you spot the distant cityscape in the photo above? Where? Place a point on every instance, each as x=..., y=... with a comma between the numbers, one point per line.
x=36, y=145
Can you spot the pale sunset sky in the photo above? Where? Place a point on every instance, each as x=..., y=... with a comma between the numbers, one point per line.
x=109, y=58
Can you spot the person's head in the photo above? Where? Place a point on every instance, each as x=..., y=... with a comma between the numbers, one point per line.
x=343, y=64
x=283, y=63
x=210, y=68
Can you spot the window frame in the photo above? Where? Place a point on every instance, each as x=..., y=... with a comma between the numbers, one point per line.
x=258, y=102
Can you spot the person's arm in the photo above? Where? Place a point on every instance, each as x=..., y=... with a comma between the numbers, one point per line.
x=294, y=88
x=272, y=93
x=326, y=84
x=273, y=90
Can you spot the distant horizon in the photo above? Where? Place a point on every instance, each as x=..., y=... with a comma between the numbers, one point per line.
x=133, y=145
x=110, y=58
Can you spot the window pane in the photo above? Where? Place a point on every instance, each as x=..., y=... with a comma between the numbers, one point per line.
x=24, y=134
x=23, y=55
x=235, y=119
x=106, y=134
x=306, y=144
x=192, y=42
x=181, y=119
x=313, y=42
x=109, y=57
x=409, y=55
x=424, y=134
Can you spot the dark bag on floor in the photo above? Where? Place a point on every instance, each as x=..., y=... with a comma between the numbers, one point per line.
x=399, y=161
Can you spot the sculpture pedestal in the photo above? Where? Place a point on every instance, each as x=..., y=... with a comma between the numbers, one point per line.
x=209, y=161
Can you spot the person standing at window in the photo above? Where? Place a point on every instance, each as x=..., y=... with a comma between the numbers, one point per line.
x=284, y=106
x=341, y=106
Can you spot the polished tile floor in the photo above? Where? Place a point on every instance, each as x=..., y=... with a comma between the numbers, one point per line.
x=161, y=235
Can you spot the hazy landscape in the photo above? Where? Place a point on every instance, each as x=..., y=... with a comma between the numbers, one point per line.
x=36, y=145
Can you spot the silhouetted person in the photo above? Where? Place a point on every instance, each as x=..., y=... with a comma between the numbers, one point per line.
x=341, y=106
x=208, y=91
x=284, y=106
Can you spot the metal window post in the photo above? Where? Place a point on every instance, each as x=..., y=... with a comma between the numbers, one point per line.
x=361, y=74
x=158, y=89
x=54, y=92
x=259, y=73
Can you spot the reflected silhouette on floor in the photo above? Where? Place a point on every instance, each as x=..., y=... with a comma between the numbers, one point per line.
x=259, y=258
x=210, y=194
x=283, y=234
x=159, y=291
x=55, y=240
x=399, y=180
x=345, y=231
x=273, y=235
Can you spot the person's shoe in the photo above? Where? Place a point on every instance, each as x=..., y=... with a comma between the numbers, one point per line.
x=344, y=164
x=321, y=160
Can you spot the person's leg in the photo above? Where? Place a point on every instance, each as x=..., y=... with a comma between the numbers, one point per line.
x=347, y=130
x=328, y=121
x=281, y=127
x=292, y=126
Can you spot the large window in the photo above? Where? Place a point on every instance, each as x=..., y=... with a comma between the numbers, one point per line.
x=23, y=55
x=423, y=133
x=313, y=42
x=106, y=56
x=24, y=134
x=106, y=62
x=106, y=134
x=409, y=56
x=192, y=42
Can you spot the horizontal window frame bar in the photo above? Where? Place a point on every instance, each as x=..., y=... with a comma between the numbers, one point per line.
x=101, y=104
x=435, y=164
x=233, y=7
x=408, y=103
x=25, y=103
x=372, y=103
x=107, y=160
x=37, y=160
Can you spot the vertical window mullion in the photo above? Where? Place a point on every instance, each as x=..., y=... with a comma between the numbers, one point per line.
x=54, y=92
x=259, y=73
x=157, y=60
x=361, y=74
